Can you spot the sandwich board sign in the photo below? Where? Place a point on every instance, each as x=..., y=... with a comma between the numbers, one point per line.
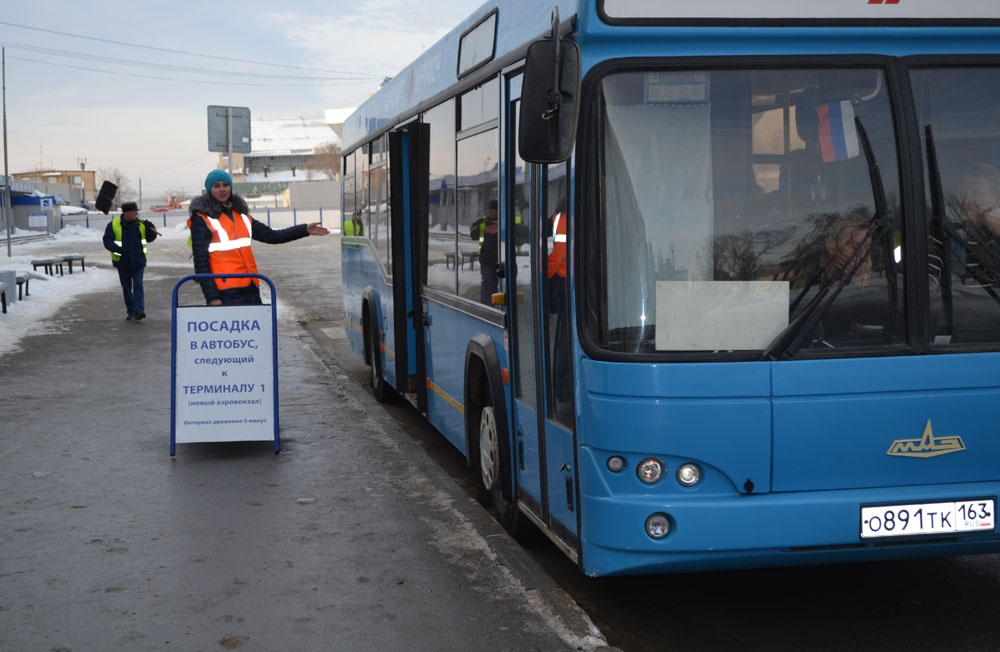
x=224, y=364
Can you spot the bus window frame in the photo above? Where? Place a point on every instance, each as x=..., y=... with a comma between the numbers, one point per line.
x=586, y=291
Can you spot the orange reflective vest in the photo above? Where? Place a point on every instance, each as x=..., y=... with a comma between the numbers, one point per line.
x=230, y=251
x=557, y=253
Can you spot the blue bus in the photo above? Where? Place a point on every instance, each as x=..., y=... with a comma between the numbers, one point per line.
x=696, y=285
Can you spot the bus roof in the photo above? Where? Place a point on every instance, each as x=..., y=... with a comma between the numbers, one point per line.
x=517, y=23
x=675, y=11
x=510, y=25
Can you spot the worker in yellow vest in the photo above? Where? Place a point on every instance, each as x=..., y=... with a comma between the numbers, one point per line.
x=127, y=237
x=354, y=226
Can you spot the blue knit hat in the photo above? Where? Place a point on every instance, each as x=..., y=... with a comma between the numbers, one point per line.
x=214, y=177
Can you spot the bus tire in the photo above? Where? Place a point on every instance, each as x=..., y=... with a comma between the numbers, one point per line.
x=380, y=388
x=494, y=468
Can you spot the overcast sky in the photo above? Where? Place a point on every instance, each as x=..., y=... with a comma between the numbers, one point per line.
x=127, y=85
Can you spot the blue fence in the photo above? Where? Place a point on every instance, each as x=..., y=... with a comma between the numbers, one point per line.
x=277, y=218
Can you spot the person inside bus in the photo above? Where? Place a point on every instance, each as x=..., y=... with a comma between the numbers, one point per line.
x=975, y=226
x=979, y=197
x=557, y=301
x=354, y=226
x=846, y=243
x=842, y=247
x=848, y=257
x=486, y=231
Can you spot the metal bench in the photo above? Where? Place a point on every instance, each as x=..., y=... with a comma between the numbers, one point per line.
x=70, y=258
x=50, y=265
x=22, y=280
x=471, y=257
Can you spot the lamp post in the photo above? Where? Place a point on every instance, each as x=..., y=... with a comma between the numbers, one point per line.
x=6, y=176
x=83, y=181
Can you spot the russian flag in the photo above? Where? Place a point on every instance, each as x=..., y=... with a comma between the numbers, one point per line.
x=838, y=138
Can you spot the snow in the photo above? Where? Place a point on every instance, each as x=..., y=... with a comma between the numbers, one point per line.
x=50, y=293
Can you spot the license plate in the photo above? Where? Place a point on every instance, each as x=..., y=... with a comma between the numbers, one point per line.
x=927, y=518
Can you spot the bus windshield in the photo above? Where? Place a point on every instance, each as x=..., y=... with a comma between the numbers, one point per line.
x=959, y=108
x=758, y=213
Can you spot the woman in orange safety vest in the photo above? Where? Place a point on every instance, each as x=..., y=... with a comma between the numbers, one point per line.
x=557, y=303
x=221, y=234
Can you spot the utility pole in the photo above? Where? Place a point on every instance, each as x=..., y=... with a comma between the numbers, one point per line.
x=6, y=175
x=83, y=182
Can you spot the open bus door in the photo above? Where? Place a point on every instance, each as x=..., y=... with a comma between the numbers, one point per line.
x=409, y=160
x=542, y=427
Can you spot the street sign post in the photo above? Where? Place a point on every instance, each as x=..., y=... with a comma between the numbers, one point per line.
x=229, y=131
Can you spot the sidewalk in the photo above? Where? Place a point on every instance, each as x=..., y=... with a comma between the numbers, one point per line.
x=349, y=539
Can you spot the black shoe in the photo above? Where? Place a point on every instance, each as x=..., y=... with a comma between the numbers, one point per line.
x=131, y=318
x=140, y=315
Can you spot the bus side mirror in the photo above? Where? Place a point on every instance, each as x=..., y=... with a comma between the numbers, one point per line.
x=549, y=92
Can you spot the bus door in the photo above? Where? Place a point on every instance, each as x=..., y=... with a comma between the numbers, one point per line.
x=543, y=441
x=409, y=162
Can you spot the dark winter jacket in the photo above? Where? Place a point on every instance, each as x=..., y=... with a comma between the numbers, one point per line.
x=131, y=249
x=201, y=235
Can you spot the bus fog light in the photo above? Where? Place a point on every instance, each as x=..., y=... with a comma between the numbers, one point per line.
x=650, y=470
x=689, y=475
x=658, y=526
x=616, y=463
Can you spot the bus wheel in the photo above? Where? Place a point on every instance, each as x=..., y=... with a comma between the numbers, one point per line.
x=379, y=387
x=494, y=468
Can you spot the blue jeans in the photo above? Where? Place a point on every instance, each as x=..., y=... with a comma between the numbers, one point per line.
x=131, y=279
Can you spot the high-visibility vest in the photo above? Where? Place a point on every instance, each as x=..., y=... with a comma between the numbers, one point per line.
x=116, y=226
x=353, y=228
x=230, y=251
x=557, y=252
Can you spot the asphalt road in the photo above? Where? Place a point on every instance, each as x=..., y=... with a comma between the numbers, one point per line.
x=350, y=539
x=930, y=605
x=363, y=534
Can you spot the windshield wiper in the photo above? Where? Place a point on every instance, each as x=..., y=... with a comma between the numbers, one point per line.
x=790, y=340
x=978, y=247
x=940, y=227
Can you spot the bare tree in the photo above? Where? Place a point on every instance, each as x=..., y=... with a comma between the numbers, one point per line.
x=325, y=159
x=744, y=256
x=117, y=177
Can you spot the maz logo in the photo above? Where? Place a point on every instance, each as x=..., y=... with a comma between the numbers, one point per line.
x=927, y=446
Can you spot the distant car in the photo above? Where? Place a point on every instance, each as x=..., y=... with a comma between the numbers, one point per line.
x=169, y=206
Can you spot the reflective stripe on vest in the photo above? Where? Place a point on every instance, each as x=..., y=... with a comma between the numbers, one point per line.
x=116, y=226
x=231, y=253
x=223, y=241
x=557, y=252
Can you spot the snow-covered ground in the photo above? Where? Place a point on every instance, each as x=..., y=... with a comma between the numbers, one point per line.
x=50, y=293
x=169, y=256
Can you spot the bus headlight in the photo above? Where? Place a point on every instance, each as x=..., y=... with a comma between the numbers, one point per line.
x=616, y=463
x=658, y=526
x=650, y=470
x=688, y=475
